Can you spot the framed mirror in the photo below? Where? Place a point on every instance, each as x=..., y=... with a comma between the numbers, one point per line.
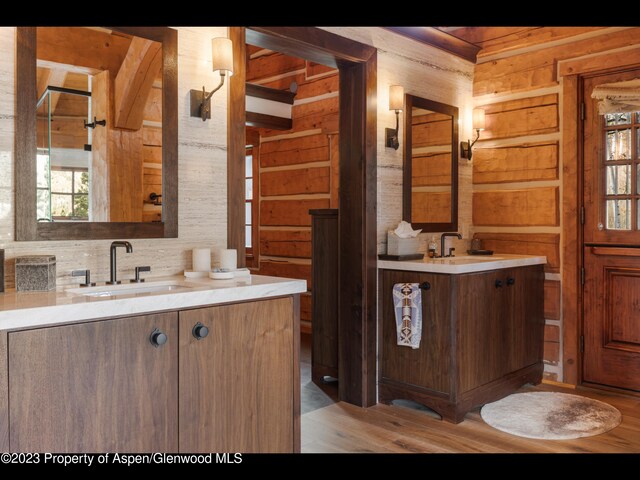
x=96, y=133
x=430, y=173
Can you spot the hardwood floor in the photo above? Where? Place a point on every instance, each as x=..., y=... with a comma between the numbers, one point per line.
x=342, y=427
x=312, y=396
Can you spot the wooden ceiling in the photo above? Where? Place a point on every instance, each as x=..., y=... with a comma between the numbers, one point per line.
x=473, y=43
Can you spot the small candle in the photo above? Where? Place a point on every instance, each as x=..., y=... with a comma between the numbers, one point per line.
x=229, y=259
x=201, y=259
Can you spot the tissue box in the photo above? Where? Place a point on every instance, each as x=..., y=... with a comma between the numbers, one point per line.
x=35, y=273
x=401, y=246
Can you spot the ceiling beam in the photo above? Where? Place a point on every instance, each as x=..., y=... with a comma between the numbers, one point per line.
x=439, y=39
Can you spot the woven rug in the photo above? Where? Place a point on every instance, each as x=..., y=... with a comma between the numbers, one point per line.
x=550, y=415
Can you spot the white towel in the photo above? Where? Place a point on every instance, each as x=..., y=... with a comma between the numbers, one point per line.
x=407, y=302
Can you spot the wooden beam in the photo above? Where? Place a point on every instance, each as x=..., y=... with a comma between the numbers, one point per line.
x=267, y=93
x=134, y=82
x=262, y=120
x=236, y=146
x=82, y=47
x=439, y=39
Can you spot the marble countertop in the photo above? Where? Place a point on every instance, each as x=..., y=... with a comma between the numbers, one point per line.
x=60, y=306
x=463, y=263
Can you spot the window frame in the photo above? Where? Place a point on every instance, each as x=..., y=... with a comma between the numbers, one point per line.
x=252, y=253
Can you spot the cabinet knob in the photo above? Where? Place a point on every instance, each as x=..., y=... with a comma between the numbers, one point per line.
x=498, y=283
x=511, y=281
x=425, y=285
x=200, y=331
x=158, y=338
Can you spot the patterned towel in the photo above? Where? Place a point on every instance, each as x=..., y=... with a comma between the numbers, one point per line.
x=407, y=300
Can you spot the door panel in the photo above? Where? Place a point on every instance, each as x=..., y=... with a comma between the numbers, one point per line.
x=612, y=328
x=94, y=387
x=236, y=384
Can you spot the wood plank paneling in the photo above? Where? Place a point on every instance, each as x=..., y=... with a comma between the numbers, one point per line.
x=525, y=207
x=551, y=333
x=537, y=69
x=431, y=207
x=322, y=114
x=318, y=86
x=305, y=307
x=313, y=68
x=537, y=161
x=152, y=136
x=551, y=353
x=287, y=269
x=431, y=133
x=526, y=116
x=546, y=244
x=271, y=65
x=4, y=394
x=289, y=212
x=151, y=153
x=291, y=182
x=286, y=243
x=551, y=300
x=292, y=151
x=431, y=169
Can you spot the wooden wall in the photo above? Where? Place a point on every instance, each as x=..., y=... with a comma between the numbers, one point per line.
x=517, y=164
x=297, y=168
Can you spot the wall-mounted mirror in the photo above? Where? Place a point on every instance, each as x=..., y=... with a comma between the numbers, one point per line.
x=430, y=185
x=96, y=136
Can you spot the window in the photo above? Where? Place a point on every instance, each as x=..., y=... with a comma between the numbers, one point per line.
x=248, y=189
x=622, y=171
x=69, y=193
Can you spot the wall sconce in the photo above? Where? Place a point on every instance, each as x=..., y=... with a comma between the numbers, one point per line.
x=478, y=124
x=396, y=102
x=222, y=60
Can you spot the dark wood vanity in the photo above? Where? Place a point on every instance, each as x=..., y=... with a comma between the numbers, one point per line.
x=482, y=338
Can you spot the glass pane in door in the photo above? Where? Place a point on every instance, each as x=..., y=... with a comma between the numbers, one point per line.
x=619, y=180
x=619, y=144
x=618, y=214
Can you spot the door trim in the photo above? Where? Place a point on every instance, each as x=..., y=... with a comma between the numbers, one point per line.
x=357, y=63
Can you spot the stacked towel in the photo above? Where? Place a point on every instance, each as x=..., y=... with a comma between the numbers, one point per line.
x=407, y=300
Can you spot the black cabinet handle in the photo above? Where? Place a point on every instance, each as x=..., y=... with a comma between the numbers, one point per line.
x=200, y=331
x=425, y=285
x=158, y=338
x=498, y=283
x=511, y=281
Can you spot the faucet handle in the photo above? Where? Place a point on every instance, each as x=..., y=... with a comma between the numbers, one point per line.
x=87, y=277
x=138, y=270
x=451, y=250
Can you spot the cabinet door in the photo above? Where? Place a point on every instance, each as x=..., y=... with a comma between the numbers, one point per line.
x=237, y=383
x=94, y=387
x=525, y=287
x=483, y=333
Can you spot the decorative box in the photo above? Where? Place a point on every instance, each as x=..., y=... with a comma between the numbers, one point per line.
x=35, y=273
x=401, y=246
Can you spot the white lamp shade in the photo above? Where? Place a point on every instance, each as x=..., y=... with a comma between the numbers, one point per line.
x=478, y=119
x=222, y=55
x=396, y=97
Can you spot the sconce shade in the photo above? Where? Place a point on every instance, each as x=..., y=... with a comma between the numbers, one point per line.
x=478, y=119
x=222, y=55
x=396, y=97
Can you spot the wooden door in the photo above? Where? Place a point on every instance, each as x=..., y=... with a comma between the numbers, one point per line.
x=94, y=387
x=611, y=305
x=237, y=383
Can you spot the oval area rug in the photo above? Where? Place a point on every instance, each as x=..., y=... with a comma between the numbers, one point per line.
x=551, y=415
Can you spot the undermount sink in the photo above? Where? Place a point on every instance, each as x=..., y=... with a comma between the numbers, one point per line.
x=131, y=289
x=466, y=258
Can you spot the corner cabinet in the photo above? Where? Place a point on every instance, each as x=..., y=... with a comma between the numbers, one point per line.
x=215, y=379
x=482, y=338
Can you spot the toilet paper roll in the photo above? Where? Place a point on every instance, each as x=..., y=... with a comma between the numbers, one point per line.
x=229, y=258
x=202, y=259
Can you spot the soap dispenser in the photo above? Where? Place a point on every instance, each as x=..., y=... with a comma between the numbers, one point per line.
x=433, y=246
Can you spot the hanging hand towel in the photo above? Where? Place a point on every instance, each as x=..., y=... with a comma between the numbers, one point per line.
x=407, y=300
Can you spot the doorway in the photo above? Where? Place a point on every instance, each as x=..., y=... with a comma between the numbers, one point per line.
x=610, y=341
x=357, y=64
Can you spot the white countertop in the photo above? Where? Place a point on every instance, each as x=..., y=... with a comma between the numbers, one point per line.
x=35, y=309
x=463, y=263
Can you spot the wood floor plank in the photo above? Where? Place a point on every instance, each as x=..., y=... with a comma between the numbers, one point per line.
x=343, y=427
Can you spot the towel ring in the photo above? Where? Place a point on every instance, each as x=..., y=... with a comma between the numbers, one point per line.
x=425, y=285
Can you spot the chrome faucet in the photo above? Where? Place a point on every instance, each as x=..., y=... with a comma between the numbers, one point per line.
x=114, y=245
x=442, y=238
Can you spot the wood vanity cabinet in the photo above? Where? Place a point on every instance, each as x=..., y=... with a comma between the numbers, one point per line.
x=104, y=386
x=482, y=338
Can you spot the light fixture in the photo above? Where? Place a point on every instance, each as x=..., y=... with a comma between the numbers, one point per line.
x=478, y=124
x=222, y=61
x=396, y=102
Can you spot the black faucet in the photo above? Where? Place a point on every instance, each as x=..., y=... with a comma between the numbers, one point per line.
x=114, y=245
x=445, y=235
